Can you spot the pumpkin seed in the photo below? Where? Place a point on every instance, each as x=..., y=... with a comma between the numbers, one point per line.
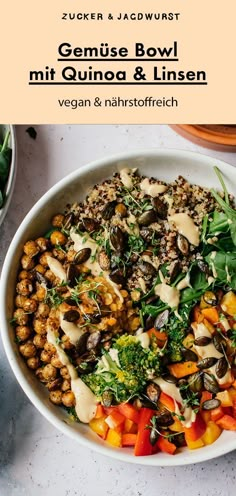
x=81, y=345
x=147, y=268
x=182, y=244
x=211, y=404
x=68, y=221
x=117, y=238
x=170, y=378
x=161, y=319
x=206, y=363
x=146, y=234
x=104, y=260
x=202, y=341
x=108, y=210
x=147, y=218
x=93, y=340
x=153, y=392
x=90, y=225
x=153, y=437
x=219, y=342
x=174, y=269
x=189, y=355
x=160, y=207
x=71, y=274
x=71, y=316
x=195, y=382
x=82, y=256
x=117, y=276
x=221, y=367
x=149, y=322
x=210, y=383
x=107, y=398
x=165, y=419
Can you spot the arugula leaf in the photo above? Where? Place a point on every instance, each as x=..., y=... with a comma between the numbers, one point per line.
x=224, y=266
x=219, y=223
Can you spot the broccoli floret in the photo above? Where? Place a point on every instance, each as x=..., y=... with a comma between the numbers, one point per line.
x=125, y=369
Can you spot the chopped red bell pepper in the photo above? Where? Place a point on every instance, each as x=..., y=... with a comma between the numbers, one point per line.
x=143, y=446
x=129, y=412
x=129, y=439
x=114, y=419
x=196, y=430
x=217, y=413
x=165, y=445
x=227, y=422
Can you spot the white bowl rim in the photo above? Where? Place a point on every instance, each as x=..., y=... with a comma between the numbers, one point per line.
x=12, y=173
x=187, y=458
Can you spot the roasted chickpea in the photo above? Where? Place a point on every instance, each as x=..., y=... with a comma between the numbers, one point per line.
x=43, y=258
x=20, y=317
x=50, y=276
x=27, y=262
x=31, y=248
x=30, y=305
x=24, y=287
x=39, y=374
x=58, y=238
x=45, y=356
x=56, y=362
x=39, y=340
x=68, y=399
x=23, y=332
x=121, y=210
x=43, y=310
x=28, y=350
x=56, y=384
x=64, y=373
x=66, y=385
x=49, y=372
x=39, y=326
x=65, y=343
x=58, y=220
x=70, y=255
x=40, y=294
x=42, y=243
x=39, y=268
x=59, y=254
x=19, y=301
x=50, y=348
x=55, y=397
x=33, y=362
x=24, y=274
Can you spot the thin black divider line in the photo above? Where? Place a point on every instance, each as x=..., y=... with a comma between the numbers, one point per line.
x=116, y=60
x=116, y=83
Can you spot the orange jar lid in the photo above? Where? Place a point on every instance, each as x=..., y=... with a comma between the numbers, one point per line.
x=216, y=136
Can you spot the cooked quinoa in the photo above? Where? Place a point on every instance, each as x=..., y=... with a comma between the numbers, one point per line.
x=125, y=239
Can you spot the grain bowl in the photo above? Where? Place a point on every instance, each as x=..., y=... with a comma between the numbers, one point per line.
x=79, y=235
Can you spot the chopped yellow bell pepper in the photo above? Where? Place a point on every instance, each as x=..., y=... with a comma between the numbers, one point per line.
x=194, y=444
x=228, y=303
x=213, y=431
x=99, y=426
x=114, y=438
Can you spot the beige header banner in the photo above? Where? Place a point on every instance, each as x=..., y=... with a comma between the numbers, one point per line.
x=120, y=62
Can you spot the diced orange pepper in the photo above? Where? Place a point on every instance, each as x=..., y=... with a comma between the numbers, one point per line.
x=129, y=439
x=183, y=369
x=129, y=412
x=130, y=427
x=114, y=419
x=211, y=314
x=234, y=407
x=176, y=426
x=161, y=337
x=217, y=413
x=227, y=422
x=167, y=401
x=100, y=411
x=197, y=315
x=166, y=446
x=213, y=431
x=228, y=303
x=225, y=398
x=234, y=384
x=114, y=438
x=99, y=426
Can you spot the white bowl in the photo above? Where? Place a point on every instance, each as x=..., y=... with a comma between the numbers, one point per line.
x=163, y=164
x=12, y=173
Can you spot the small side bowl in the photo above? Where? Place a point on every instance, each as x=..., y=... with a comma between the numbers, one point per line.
x=13, y=168
x=163, y=164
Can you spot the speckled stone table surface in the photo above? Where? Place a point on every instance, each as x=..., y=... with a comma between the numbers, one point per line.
x=36, y=459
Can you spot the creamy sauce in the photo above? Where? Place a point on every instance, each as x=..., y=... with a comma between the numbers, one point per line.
x=125, y=178
x=185, y=226
x=168, y=294
x=94, y=267
x=142, y=284
x=56, y=268
x=173, y=392
x=212, y=257
x=70, y=329
x=184, y=283
x=85, y=400
x=210, y=279
x=143, y=339
x=150, y=189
